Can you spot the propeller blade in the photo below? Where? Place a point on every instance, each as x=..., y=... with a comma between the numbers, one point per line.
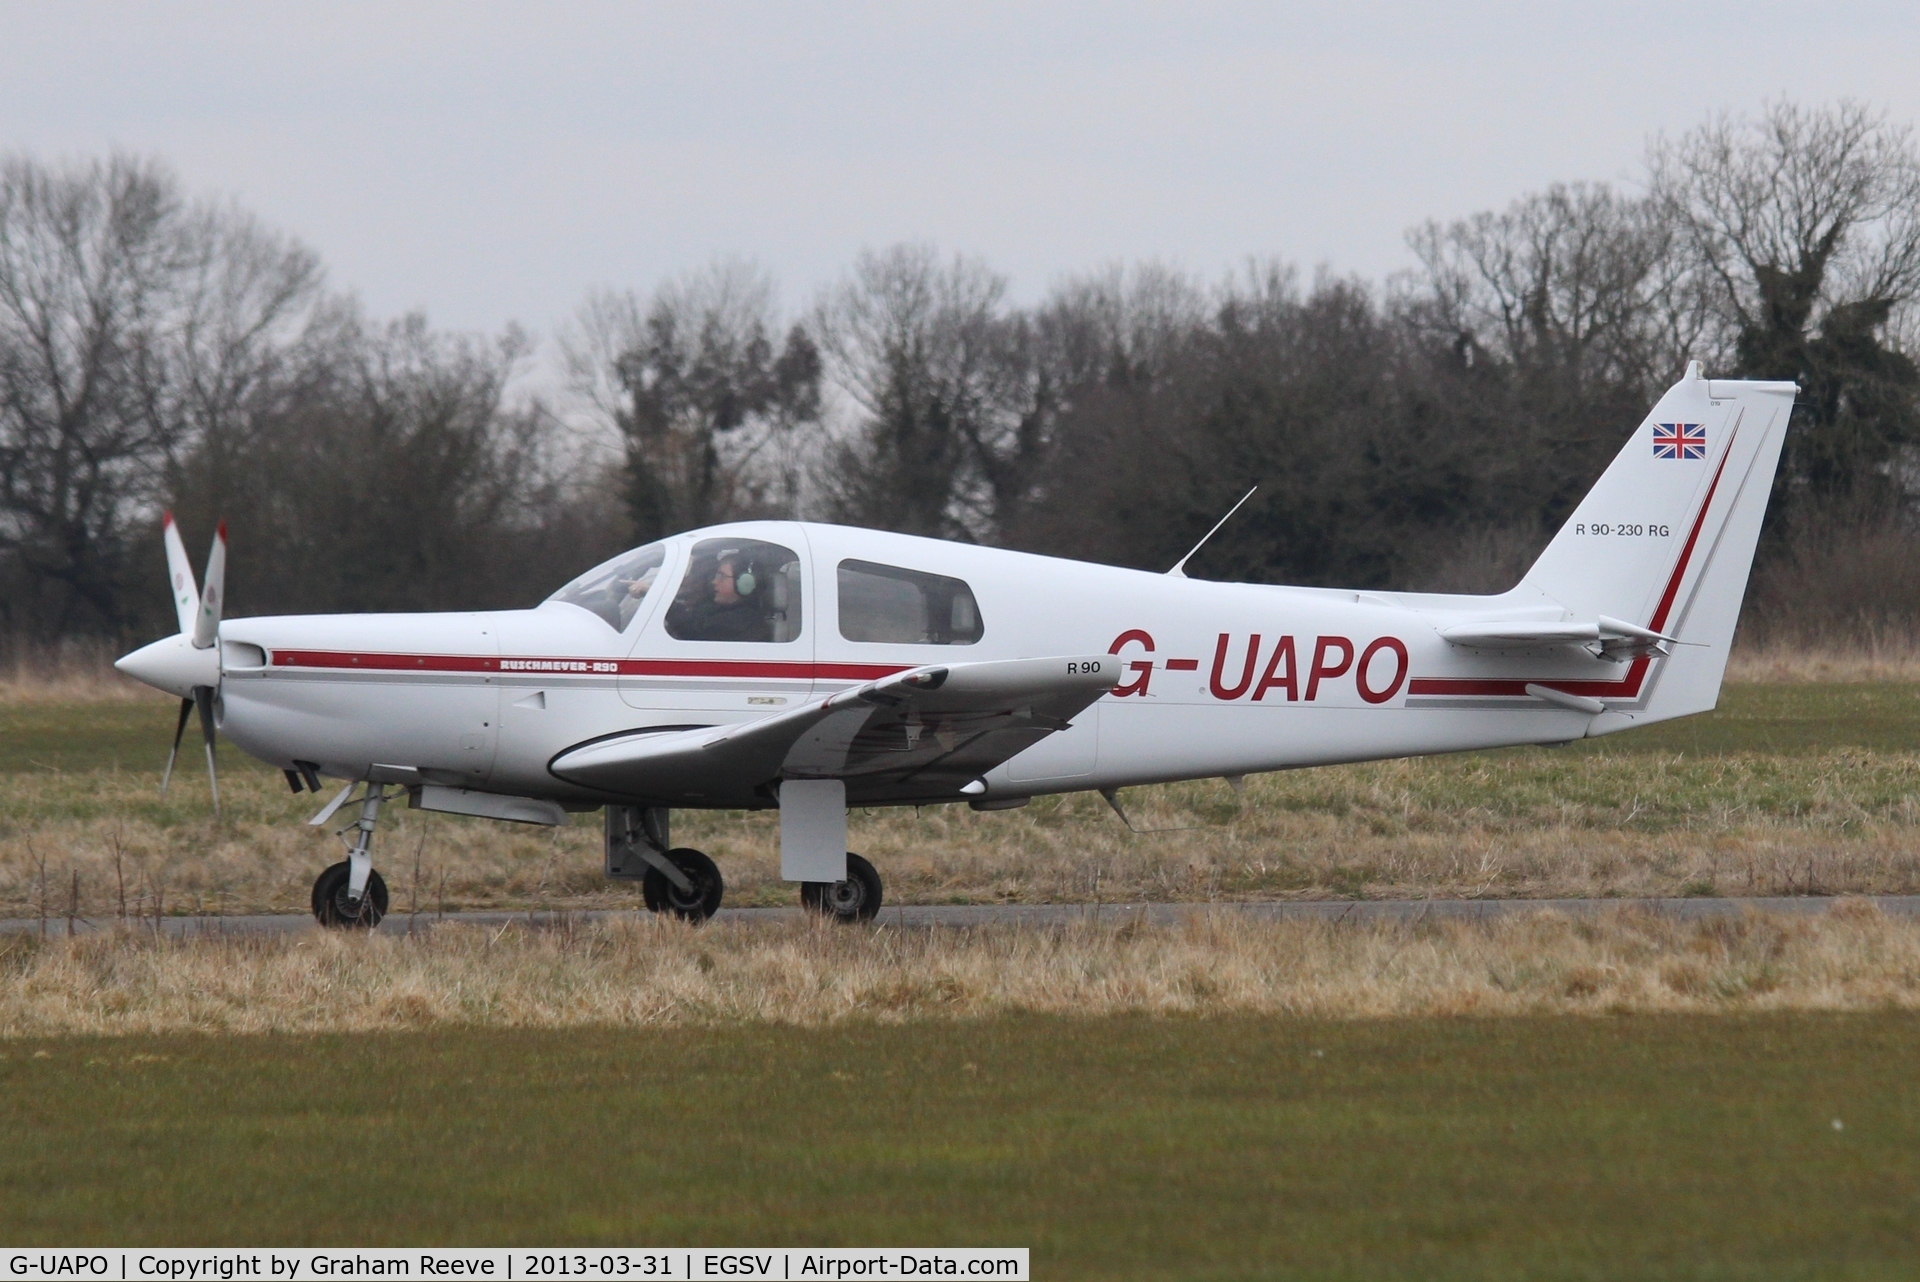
x=186, y=708
x=203, y=700
x=186, y=597
x=206, y=624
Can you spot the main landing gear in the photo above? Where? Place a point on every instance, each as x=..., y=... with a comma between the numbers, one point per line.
x=855, y=899
x=696, y=900
x=673, y=879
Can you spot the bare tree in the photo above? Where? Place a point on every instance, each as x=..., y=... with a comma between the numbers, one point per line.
x=131, y=323
x=707, y=406
x=952, y=404
x=87, y=257
x=1805, y=224
x=1119, y=326
x=385, y=468
x=1571, y=284
x=243, y=299
x=1798, y=211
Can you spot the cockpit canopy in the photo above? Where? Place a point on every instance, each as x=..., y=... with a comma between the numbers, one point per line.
x=615, y=589
x=749, y=590
x=734, y=589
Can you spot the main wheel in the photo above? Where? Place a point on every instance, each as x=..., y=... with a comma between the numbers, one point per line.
x=332, y=908
x=702, y=902
x=855, y=899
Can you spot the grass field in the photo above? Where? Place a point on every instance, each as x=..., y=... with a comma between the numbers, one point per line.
x=646, y=972
x=1534, y=1097
x=1787, y=789
x=1115, y=1148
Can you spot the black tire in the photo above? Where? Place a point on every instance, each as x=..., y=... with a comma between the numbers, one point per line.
x=663, y=896
x=853, y=900
x=332, y=908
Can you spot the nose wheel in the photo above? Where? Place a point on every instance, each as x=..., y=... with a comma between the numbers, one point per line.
x=853, y=900
x=334, y=908
x=350, y=894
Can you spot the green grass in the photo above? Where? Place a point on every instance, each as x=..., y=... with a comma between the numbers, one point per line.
x=1222, y=1148
x=1786, y=719
x=130, y=736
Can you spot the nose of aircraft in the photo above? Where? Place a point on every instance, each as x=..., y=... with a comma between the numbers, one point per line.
x=172, y=664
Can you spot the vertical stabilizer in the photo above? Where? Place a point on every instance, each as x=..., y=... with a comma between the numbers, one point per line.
x=1666, y=537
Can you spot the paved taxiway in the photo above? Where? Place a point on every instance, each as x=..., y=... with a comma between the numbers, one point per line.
x=960, y=915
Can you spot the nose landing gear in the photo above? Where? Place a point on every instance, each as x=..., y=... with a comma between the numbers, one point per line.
x=350, y=894
x=333, y=908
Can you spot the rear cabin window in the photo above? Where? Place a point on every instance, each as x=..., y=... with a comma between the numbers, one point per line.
x=738, y=590
x=908, y=607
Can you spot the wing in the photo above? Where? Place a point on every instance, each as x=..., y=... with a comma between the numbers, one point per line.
x=923, y=734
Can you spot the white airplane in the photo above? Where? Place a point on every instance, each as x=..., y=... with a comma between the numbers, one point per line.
x=812, y=667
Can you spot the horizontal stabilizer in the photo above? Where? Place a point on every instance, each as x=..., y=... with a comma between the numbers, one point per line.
x=1607, y=637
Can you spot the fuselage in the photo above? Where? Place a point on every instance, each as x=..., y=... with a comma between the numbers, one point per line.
x=1220, y=679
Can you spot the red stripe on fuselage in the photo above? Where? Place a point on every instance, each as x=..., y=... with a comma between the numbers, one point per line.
x=1627, y=687
x=545, y=665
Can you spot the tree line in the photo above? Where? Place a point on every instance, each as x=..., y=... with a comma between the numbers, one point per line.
x=1429, y=431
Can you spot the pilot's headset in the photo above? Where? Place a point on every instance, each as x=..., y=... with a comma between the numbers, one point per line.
x=744, y=580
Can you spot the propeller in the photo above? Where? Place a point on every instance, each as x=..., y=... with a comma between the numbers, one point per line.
x=188, y=664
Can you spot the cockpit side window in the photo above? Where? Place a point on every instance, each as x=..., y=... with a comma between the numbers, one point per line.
x=911, y=607
x=614, y=590
x=738, y=590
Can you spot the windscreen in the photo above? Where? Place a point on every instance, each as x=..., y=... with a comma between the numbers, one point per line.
x=614, y=590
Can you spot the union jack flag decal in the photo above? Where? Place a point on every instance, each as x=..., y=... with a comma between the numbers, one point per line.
x=1679, y=440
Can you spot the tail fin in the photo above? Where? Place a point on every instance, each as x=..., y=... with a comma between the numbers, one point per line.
x=1665, y=538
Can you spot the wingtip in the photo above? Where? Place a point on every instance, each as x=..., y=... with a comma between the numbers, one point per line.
x=166, y=518
x=221, y=533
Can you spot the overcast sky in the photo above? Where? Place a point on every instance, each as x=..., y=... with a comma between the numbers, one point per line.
x=491, y=162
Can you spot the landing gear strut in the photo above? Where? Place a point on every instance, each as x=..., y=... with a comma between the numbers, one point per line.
x=853, y=900
x=678, y=880
x=350, y=894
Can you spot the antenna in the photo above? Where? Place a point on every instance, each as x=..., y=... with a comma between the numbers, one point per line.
x=1179, y=571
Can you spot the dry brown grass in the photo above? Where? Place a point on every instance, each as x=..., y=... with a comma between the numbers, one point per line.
x=81, y=672
x=1521, y=825
x=1872, y=656
x=650, y=972
x=1513, y=826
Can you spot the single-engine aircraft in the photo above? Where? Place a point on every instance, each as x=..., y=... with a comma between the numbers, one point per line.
x=814, y=667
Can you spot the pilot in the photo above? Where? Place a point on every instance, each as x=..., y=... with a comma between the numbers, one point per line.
x=729, y=613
